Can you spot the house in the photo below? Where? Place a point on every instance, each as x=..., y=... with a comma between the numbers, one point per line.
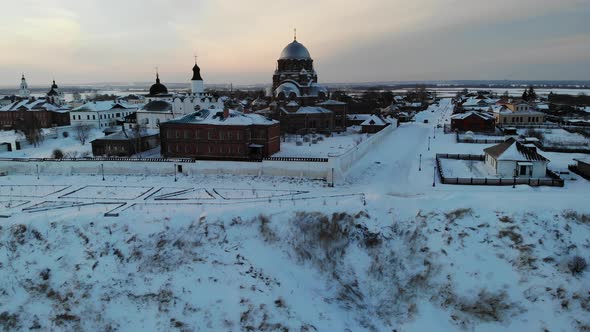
x=101, y=114
x=356, y=119
x=506, y=117
x=514, y=159
x=220, y=134
x=126, y=142
x=473, y=121
x=339, y=109
x=374, y=124
x=296, y=120
x=518, y=105
x=582, y=167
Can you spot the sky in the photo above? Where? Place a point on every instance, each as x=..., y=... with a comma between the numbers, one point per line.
x=96, y=41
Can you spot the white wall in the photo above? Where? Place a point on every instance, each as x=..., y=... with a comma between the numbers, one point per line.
x=311, y=170
x=506, y=169
x=343, y=162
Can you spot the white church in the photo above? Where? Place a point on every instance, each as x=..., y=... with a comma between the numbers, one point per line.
x=163, y=106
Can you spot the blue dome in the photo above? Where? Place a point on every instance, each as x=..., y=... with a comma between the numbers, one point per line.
x=295, y=51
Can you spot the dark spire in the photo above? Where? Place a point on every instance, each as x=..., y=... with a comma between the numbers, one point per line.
x=295, y=34
x=196, y=72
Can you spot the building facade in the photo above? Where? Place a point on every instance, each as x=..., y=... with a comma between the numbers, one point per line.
x=101, y=114
x=220, y=135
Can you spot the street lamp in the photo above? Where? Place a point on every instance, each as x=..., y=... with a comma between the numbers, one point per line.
x=434, y=176
x=37, y=171
x=102, y=170
x=420, y=164
x=428, y=143
x=434, y=132
x=175, y=173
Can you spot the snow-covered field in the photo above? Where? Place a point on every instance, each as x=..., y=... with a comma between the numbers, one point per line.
x=333, y=145
x=68, y=145
x=384, y=251
x=465, y=169
x=563, y=138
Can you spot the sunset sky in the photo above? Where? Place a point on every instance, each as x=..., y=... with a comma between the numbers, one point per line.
x=239, y=41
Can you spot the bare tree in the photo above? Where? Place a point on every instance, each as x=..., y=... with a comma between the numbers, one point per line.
x=82, y=131
x=138, y=131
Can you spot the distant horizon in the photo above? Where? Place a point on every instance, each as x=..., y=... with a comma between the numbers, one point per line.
x=457, y=82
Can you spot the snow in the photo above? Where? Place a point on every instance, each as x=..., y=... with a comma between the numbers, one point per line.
x=332, y=145
x=199, y=261
x=68, y=145
x=466, y=169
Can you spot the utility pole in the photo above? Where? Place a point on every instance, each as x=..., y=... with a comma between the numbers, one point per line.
x=434, y=176
x=102, y=170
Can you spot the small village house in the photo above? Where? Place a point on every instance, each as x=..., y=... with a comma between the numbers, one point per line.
x=373, y=124
x=473, y=121
x=514, y=159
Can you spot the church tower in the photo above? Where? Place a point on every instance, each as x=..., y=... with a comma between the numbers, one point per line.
x=24, y=88
x=197, y=85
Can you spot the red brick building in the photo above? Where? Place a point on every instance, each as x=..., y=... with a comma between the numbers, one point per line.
x=473, y=121
x=37, y=112
x=220, y=134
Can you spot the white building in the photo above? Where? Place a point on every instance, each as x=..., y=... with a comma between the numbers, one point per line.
x=183, y=104
x=101, y=114
x=514, y=159
x=24, y=91
x=155, y=112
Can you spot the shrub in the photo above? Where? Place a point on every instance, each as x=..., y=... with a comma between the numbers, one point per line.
x=65, y=134
x=57, y=154
x=577, y=265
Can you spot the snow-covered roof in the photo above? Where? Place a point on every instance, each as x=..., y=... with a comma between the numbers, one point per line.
x=374, y=120
x=331, y=102
x=101, y=106
x=129, y=134
x=583, y=160
x=359, y=117
x=215, y=117
x=292, y=103
x=512, y=150
x=32, y=105
x=482, y=115
x=312, y=110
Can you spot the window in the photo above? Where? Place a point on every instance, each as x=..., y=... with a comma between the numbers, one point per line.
x=87, y=117
x=93, y=117
x=177, y=133
x=196, y=134
x=187, y=134
x=221, y=135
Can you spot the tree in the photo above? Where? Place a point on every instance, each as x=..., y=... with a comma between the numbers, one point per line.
x=138, y=131
x=532, y=95
x=76, y=96
x=30, y=125
x=525, y=95
x=57, y=154
x=82, y=132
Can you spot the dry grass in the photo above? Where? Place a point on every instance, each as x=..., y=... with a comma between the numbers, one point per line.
x=458, y=214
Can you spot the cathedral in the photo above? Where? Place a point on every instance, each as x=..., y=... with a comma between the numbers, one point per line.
x=299, y=102
x=295, y=78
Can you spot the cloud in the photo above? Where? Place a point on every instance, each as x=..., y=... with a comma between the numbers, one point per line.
x=351, y=40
